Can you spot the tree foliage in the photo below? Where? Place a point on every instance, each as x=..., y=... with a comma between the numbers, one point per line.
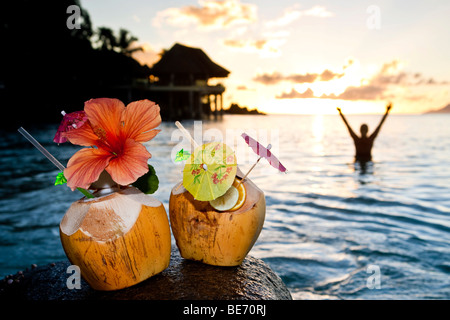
x=45, y=66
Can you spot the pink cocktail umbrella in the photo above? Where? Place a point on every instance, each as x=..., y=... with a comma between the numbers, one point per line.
x=73, y=120
x=262, y=152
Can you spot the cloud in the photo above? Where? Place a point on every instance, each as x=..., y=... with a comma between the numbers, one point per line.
x=430, y=81
x=328, y=75
x=276, y=77
x=294, y=94
x=348, y=64
x=243, y=87
x=376, y=88
x=269, y=78
x=257, y=44
x=318, y=11
x=264, y=47
x=210, y=14
x=390, y=73
x=302, y=78
x=287, y=18
x=415, y=97
x=368, y=92
x=292, y=14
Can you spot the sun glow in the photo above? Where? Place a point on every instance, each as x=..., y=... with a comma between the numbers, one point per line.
x=319, y=106
x=280, y=98
x=318, y=132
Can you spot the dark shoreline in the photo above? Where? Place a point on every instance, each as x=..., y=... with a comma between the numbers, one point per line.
x=236, y=109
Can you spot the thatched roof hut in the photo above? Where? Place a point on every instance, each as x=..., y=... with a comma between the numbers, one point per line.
x=182, y=87
x=182, y=64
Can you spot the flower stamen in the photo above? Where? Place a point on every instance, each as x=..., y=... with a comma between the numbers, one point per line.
x=100, y=133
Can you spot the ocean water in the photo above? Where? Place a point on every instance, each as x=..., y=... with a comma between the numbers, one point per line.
x=333, y=229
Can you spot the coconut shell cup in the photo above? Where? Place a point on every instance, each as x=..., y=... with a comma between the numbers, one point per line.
x=117, y=240
x=219, y=238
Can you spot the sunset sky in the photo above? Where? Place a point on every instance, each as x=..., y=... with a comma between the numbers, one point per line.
x=303, y=56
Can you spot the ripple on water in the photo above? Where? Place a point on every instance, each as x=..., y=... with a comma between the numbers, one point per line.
x=327, y=219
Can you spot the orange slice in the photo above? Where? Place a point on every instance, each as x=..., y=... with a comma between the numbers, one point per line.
x=226, y=201
x=242, y=195
x=232, y=200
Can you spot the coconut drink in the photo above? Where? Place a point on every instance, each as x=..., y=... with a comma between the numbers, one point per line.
x=117, y=234
x=217, y=237
x=216, y=212
x=118, y=239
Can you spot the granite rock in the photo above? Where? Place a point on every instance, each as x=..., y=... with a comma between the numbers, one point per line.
x=182, y=280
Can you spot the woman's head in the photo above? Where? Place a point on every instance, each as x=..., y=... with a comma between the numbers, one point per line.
x=364, y=129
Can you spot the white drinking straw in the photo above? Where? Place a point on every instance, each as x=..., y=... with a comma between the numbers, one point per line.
x=50, y=157
x=41, y=149
x=193, y=143
x=186, y=134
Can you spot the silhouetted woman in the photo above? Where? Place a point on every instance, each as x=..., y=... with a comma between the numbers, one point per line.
x=364, y=144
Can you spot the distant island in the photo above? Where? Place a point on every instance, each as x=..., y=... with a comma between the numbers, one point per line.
x=445, y=109
x=236, y=109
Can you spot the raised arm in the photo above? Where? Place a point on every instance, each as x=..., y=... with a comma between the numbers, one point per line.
x=377, y=130
x=350, y=130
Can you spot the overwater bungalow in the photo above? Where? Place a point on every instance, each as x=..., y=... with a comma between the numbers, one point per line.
x=179, y=84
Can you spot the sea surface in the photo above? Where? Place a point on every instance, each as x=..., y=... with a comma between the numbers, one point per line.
x=333, y=229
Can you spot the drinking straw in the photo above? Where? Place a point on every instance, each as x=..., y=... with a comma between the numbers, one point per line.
x=44, y=151
x=186, y=134
x=50, y=157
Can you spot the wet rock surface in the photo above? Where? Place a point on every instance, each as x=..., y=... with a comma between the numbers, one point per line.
x=182, y=280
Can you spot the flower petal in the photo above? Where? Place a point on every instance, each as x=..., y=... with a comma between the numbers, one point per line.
x=85, y=167
x=139, y=118
x=130, y=164
x=147, y=136
x=105, y=114
x=84, y=136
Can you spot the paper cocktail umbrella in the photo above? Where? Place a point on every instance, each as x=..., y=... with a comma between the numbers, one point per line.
x=73, y=120
x=262, y=152
x=210, y=171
